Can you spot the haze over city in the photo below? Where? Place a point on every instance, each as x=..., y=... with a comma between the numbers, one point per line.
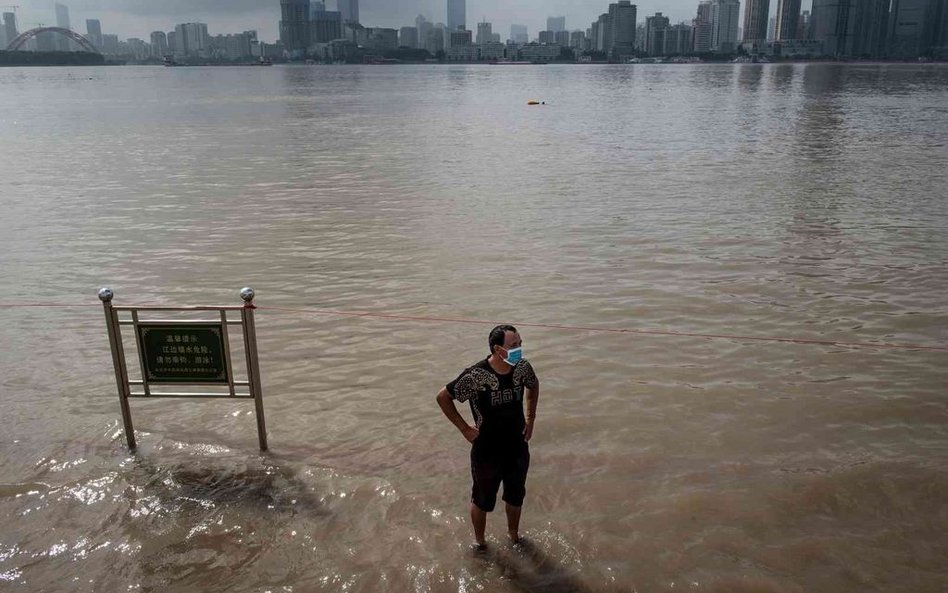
x=137, y=18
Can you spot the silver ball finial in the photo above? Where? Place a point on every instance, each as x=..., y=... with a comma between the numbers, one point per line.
x=106, y=294
x=247, y=294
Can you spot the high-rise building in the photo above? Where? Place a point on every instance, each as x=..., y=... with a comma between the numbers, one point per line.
x=294, y=26
x=556, y=23
x=702, y=25
x=94, y=32
x=788, y=18
x=916, y=27
x=678, y=40
x=655, y=34
x=518, y=34
x=803, y=26
x=62, y=16
x=870, y=22
x=603, y=33
x=434, y=41
x=771, y=28
x=832, y=26
x=460, y=37
x=159, y=44
x=192, y=39
x=577, y=40
x=408, y=37
x=325, y=26
x=756, y=14
x=485, y=33
x=62, y=20
x=457, y=14
x=622, y=28
x=561, y=38
x=548, y=37
x=424, y=30
x=724, y=19
x=110, y=44
x=349, y=10
x=9, y=27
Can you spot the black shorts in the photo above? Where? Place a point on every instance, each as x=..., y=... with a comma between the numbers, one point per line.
x=489, y=469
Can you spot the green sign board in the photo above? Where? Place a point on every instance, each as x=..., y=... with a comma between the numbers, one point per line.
x=183, y=353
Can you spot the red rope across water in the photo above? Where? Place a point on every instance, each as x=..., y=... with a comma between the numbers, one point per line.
x=615, y=330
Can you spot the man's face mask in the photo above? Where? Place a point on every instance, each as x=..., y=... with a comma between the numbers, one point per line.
x=514, y=355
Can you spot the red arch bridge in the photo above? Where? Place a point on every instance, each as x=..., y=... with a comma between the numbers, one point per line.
x=22, y=38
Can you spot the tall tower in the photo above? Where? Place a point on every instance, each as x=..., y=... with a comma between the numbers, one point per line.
x=94, y=32
x=556, y=23
x=62, y=20
x=724, y=15
x=702, y=24
x=756, y=14
x=349, y=10
x=788, y=19
x=622, y=25
x=9, y=26
x=457, y=14
x=294, y=27
x=485, y=33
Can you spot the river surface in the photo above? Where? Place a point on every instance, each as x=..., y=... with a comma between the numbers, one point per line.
x=785, y=201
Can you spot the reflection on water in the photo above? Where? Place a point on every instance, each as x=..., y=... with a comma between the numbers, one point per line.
x=768, y=200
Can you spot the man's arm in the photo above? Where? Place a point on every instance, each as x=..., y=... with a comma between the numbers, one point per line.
x=452, y=414
x=533, y=395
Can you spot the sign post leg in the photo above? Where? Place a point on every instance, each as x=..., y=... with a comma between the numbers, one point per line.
x=253, y=364
x=118, y=361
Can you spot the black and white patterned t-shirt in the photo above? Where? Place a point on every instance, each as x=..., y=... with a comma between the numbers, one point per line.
x=496, y=400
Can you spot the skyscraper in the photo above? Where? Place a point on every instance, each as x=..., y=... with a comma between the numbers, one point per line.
x=294, y=26
x=832, y=25
x=62, y=16
x=62, y=20
x=485, y=33
x=349, y=10
x=9, y=26
x=756, y=13
x=724, y=15
x=457, y=14
x=655, y=34
x=788, y=19
x=915, y=28
x=622, y=25
x=518, y=34
x=94, y=32
x=702, y=25
x=159, y=44
x=556, y=23
x=192, y=38
x=870, y=22
x=408, y=37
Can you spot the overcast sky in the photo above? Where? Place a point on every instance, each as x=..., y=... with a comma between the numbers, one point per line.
x=137, y=18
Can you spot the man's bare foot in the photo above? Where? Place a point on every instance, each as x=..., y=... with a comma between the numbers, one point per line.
x=514, y=537
x=478, y=548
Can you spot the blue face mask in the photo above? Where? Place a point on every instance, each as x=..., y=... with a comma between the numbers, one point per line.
x=514, y=355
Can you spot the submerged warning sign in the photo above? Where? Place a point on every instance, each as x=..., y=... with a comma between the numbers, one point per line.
x=183, y=353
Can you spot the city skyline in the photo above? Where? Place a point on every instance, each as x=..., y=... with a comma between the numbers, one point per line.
x=139, y=18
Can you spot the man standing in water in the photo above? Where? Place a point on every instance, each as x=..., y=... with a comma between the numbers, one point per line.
x=495, y=388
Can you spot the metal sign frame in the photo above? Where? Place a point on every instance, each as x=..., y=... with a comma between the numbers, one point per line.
x=249, y=389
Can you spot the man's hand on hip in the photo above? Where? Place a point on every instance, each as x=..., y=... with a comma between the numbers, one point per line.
x=470, y=433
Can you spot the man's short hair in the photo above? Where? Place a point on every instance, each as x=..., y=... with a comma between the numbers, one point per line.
x=497, y=336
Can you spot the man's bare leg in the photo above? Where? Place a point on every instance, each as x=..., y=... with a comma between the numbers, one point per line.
x=479, y=521
x=513, y=522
